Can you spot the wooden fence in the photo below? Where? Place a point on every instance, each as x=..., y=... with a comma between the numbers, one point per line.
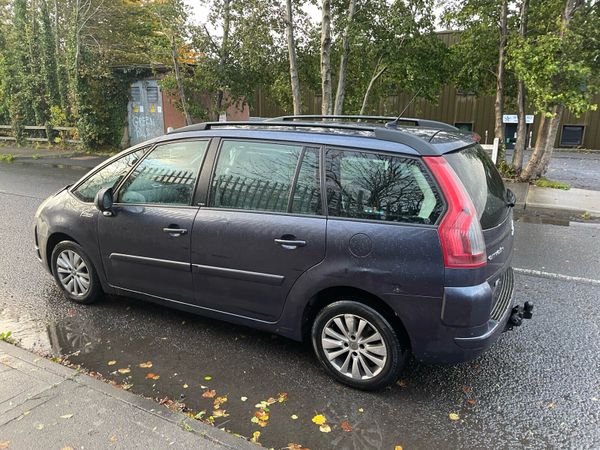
x=66, y=134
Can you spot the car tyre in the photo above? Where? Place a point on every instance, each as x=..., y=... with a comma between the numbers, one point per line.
x=74, y=273
x=357, y=345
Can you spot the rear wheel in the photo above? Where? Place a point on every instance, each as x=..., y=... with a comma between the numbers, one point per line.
x=74, y=273
x=357, y=345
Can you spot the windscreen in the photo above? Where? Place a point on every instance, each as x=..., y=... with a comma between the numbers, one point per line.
x=482, y=182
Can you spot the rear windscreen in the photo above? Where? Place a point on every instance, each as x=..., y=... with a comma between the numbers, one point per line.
x=483, y=183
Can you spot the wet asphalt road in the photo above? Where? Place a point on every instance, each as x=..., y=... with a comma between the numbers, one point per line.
x=539, y=386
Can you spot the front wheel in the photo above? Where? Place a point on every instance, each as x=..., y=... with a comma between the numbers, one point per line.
x=74, y=273
x=357, y=345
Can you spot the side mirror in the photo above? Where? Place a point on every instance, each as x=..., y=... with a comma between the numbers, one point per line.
x=104, y=201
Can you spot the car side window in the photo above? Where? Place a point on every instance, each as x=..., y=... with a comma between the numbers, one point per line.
x=166, y=176
x=259, y=176
x=109, y=176
x=367, y=185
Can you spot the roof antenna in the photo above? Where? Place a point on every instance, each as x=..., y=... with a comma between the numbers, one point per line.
x=397, y=119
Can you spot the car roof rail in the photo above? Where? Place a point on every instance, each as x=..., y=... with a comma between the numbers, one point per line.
x=391, y=121
x=392, y=134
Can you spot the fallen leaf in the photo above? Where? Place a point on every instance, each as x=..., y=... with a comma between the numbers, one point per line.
x=126, y=386
x=207, y=378
x=325, y=428
x=124, y=371
x=26, y=413
x=39, y=426
x=262, y=415
x=152, y=376
x=471, y=401
x=111, y=362
x=243, y=399
x=361, y=410
x=200, y=415
x=218, y=401
x=113, y=439
x=345, y=425
x=403, y=384
x=319, y=419
x=66, y=416
x=146, y=365
x=209, y=393
x=220, y=413
x=67, y=448
x=467, y=389
x=453, y=416
x=294, y=417
x=282, y=397
x=551, y=405
x=185, y=386
x=398, y=447
x=292, y=446
x=255, y=437
x=4, y=444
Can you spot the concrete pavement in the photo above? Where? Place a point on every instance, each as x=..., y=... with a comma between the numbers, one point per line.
x=46, y=405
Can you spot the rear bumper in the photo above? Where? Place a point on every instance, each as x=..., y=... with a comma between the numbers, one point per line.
x=472, y=319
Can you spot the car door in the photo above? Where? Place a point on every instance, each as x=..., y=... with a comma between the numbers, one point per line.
x=261, y=229
x=145, y=242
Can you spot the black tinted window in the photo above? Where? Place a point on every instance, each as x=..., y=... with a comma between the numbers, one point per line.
x=108, y=176
x=483, y=183
x=259, y=176
x=366, y=185
x=166, y=176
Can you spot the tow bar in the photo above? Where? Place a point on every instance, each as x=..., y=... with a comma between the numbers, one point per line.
x=519, y=313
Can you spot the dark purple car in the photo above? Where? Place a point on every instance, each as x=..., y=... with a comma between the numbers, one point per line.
x=372, y=240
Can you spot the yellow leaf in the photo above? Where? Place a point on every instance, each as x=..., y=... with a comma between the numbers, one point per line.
x=152, y=376
x=319, y=419
x=209, y=393
x=113, y=439
x=111, y=362
x=185, y=386
x=325, y=428
x=4, y=444
x=398, y=447
x=146, y=365
x=243, y=399
x=67, y=448
x=255, y=437
x=453, y=416
x=124, y=371
x=66, y=416
x=220, y=413
x=207, y=378
x=361, y=410
x=294, y=417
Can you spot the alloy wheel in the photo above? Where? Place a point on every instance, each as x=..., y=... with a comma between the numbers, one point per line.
x=354, y=346
x=73, y=273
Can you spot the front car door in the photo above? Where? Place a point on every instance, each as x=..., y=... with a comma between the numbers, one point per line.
x=145, y=243
x=261, y=229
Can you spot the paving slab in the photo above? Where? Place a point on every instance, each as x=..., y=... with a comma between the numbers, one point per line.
x=577, y=201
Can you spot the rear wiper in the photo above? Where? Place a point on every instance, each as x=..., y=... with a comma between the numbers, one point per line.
x=511, y=198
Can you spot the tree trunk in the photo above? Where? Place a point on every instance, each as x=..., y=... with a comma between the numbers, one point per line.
x=376, y=74
x=61, y=74
x=341, y=87
x=544, y=146
x=291, y=43
x=224, y=49
x=186, y=114
x=521, y=144
x=499, y=104
x=326, y=58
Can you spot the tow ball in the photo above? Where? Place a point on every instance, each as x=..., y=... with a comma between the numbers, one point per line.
x=519, y=313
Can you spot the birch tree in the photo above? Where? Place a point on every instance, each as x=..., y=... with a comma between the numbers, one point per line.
x=292, y=56
x=326, y=93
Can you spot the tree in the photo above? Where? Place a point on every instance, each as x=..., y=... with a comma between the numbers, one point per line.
x=341, y=86
x=559, y=67
x=326, y=93
x=520, y=144
x=291, y=44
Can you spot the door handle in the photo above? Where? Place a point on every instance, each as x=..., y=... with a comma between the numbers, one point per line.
x=290, y=244
x=175, y=232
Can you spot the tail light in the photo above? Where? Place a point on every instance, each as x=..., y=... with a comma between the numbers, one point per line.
x=460, y=232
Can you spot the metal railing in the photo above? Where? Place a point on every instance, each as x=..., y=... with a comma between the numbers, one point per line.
x=65, y=133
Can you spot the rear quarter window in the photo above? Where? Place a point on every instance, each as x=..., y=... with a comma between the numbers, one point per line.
x=483, y=183
x=373, y=186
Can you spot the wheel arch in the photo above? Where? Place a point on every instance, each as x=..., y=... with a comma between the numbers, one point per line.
x=53, y=240
x=335, y=293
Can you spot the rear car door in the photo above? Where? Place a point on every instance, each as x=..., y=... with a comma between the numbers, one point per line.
x=261, y=229
x=145, y=243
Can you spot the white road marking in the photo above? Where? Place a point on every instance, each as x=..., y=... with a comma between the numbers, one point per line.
x=556, y=276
